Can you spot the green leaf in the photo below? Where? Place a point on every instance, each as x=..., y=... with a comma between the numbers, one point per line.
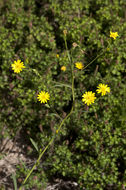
x=34, y=144
x=14, y=181
x=61, y=85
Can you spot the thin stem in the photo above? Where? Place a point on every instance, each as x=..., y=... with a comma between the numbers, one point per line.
x=37, y=162
x=63, y=121
x=67, y=49
x=72, y=69
x=92, y=60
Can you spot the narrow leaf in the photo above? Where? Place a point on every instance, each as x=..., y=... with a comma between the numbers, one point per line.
x=34, y=144
x=14, y=181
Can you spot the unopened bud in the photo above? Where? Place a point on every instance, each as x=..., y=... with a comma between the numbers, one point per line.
x=57, y=131
x=65, y=32
x=74, y=44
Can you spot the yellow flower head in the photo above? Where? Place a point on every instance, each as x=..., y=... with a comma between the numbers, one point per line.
x=17, y=66
x=113, y=35
x=57, y=55
x=79, y=65
x=63, y=68
x=103, y=89
x=43, y=97
x=88, y=97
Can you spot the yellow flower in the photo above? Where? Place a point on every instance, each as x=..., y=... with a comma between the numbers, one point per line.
x=63, y=68
x=43, y=97
x=57, y=55
x=17, y=66
x=103, y=89
x=88, y=97
x=79, y=65
x=113, y=35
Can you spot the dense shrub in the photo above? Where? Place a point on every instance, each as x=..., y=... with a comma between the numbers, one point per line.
x=90, y=149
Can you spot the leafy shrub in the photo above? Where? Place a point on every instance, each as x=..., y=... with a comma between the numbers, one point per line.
x=90, y=148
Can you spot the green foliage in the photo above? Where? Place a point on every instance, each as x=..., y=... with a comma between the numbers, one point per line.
x=90, y=149
x=37, y=180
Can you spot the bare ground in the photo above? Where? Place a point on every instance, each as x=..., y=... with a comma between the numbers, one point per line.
x=13, y=153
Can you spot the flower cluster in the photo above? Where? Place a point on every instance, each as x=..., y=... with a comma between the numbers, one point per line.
x=89, y=97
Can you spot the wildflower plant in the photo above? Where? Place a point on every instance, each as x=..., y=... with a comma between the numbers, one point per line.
x=88, y=98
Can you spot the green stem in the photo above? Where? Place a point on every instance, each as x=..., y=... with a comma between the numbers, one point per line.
x=67, y=49
x=93, y=60
x=96, y=57
x=37, y=162
x=72, y=68
x=63, y=121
